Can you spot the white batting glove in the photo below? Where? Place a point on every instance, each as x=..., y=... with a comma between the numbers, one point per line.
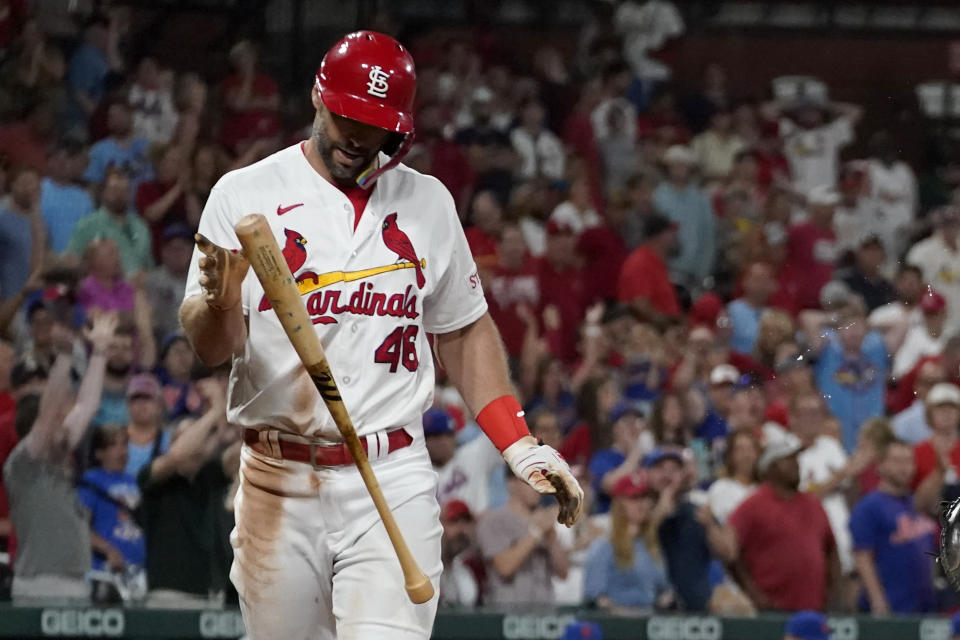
x=546, y=471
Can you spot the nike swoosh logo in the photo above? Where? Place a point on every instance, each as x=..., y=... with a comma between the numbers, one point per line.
x=283, y=210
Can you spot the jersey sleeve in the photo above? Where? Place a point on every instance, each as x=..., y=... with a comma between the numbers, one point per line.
x=216, y=223
x=458, y=297
x=863, y=527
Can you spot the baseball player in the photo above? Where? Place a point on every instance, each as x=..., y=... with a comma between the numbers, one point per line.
x=380, y=259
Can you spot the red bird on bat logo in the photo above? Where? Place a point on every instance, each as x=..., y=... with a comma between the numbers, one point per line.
x=398, y=242
x=295, y=254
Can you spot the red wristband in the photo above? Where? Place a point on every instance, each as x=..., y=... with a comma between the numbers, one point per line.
x=502, y=421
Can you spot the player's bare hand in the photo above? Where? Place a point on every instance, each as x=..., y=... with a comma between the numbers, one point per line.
x=221, y=274
x=546, y=471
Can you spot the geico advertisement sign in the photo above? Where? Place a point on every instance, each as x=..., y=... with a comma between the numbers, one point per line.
x=221, y=624
x=684, y=628
x=91, y=623
x=535, y=627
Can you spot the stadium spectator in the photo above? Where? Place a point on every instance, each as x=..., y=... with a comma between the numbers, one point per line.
x=810, y=252
x=739, y=479
x=89, y=67
x=595, y=401
x=488, y=148
x=62, y=202
x=577, y=211
x=104, y=288
x=164, y=284
x=111, y=497
x=462, y=580
x=53, y=550
x=174, y=373
x=25, y=142
x=623, y=457
x=892, y=541
x=645, y=282
x=939, y=258
x=167, y=199
x=910, y=425
x=183, y=507
x=251, y=100
x=563, y=292
x=893, y=191
x=519, y=544
x=687, y=543
x=151, y=100
x=718, y=146
x=485, y=225
x=897, y=317
x=513, y=284
x=618, y=145
x=937, y=460
x=551, y=392
x=851, y=365
x=807, y=625
x=463, y=472
x=147, y=437
x=813, y=134
x=120, y=366
x=540, y=151
x=926, y=339
x=115, y=220
x=825, y=469
x=23, y=235
x=782, y=545
x=120, y=148
x=875, y=434
x=865, y=277
x=681, y=200
x=759, y=284
x=625, y=572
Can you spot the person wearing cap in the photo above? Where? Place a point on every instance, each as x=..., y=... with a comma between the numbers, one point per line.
x=910, y=425
x=51, y=561
x=811, y=251
x=813, y=133
x=938, y=458
x=807, y=625
x=625, y=571
x=487, y=147
x=462, y=580
x=631, y=440
x=851, y=365
x=644, y=281
x=681, y=199
x=719, y=396
x=147, y=437
x=892, y=540
x=759, y=283
x=865, y=276
x=62, y=202
x=779, y=539
x=926, y=339
x=939, y=258
x=464, y=471
x=165, y=283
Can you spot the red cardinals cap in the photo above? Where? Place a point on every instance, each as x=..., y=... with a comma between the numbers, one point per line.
x=630, y=486
x=370, y=77
x=454, y=510
x=932, y=302
x=555, y=228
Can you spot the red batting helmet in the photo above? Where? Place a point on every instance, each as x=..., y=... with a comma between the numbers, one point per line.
x=370, y=77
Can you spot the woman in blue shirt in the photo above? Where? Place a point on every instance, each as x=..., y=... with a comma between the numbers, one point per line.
x=624, y=570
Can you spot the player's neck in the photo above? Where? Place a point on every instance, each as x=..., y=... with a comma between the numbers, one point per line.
x=312, y=155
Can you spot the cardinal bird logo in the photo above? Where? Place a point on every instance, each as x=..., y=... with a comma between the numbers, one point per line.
x=295, y=254
x=398, y=242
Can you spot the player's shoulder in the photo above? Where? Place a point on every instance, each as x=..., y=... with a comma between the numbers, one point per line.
x=265, y=172
x=408, y=182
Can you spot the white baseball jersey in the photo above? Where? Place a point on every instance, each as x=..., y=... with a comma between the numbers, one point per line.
x=369, y=303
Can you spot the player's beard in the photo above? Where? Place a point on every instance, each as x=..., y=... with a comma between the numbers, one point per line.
x=344, y=176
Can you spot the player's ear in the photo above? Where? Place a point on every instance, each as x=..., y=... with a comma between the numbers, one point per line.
x=315, y=97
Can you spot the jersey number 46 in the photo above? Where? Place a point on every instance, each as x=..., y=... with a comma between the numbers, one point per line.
x=400, y=347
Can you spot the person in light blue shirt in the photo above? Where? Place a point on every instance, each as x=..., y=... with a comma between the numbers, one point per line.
x=852, y=365
x=759, y=283
x=19, y=220
x=62, y=202
x=682, y=201
x=120, y=148
x=625, y=569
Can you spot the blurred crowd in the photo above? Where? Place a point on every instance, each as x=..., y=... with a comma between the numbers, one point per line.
x=745, y=342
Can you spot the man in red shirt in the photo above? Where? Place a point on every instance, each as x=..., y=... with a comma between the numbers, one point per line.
x=513, y=285
x=938, y=459
x=811, y=252
x=780, y=539
x=562, y=292
x=644, y=279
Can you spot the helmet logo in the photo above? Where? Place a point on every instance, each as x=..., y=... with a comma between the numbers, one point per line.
x=378, y=82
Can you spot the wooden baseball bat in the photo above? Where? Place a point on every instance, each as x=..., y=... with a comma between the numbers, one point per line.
x=261, y=250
